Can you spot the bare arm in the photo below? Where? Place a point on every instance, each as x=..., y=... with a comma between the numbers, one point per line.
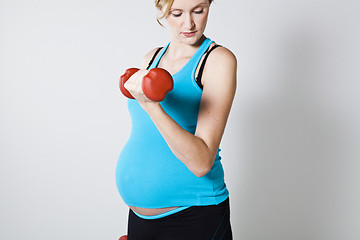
x=198, y=151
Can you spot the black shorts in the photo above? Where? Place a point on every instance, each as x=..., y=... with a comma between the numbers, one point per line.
x=194, y=223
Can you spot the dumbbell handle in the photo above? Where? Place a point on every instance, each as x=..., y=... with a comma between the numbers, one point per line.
x=156, y=84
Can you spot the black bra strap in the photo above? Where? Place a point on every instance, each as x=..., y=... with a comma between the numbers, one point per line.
x=198, y=78
x=153, y=58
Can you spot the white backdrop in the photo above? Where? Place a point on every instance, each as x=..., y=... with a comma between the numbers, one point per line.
x=290, y=150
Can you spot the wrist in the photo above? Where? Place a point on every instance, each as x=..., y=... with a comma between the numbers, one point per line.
x=151, y=106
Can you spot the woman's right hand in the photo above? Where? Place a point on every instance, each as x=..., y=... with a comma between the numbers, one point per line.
x=134, y=86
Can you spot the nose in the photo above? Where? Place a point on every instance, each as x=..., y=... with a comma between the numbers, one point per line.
x=189, y=22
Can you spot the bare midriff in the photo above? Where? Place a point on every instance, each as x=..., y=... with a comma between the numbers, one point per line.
x=151, y=211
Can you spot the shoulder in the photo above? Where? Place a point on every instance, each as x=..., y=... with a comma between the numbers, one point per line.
x=222, y=56
x=221, y=64
x=147, y=58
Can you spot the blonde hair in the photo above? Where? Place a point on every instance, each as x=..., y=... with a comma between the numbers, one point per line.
x=164, y=8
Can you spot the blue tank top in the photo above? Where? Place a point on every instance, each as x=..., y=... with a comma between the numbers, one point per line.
x=148, y=174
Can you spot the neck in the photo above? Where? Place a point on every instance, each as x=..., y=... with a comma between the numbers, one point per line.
x=179, y=49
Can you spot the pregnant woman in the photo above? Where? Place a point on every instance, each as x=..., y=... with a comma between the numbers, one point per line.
x=169, y=172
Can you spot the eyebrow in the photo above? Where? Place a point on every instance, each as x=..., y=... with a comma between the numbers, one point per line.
x=179, y=9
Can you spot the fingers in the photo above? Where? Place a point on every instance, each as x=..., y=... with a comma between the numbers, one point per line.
x=134, y=85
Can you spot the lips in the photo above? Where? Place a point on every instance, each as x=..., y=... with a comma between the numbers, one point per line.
x=189, y=34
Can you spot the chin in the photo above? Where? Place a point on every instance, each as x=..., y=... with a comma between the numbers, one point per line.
x=192, y=40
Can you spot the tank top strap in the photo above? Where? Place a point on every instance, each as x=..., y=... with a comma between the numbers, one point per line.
x=200, y=52
x=157, y=59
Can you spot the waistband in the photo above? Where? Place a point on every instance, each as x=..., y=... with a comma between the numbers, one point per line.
x=176, y=210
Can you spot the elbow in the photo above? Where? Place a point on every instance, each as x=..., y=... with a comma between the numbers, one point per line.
x=201, y=173
x=201, y=162
x=203, y=170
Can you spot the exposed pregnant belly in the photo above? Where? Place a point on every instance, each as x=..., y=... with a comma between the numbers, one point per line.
x=151, y=211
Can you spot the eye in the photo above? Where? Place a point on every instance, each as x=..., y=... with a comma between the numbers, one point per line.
x=199, y=11
x=176, y=14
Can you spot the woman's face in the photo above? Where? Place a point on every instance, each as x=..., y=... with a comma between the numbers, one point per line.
x=187, y=20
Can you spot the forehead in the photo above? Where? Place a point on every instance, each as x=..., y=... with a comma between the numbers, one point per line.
x=188, y=4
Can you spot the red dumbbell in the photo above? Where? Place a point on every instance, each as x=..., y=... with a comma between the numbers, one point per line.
x=123, y=237
x=155, y=84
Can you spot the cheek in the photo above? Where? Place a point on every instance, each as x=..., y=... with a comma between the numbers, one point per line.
x=172, y=23
x=202, y=21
